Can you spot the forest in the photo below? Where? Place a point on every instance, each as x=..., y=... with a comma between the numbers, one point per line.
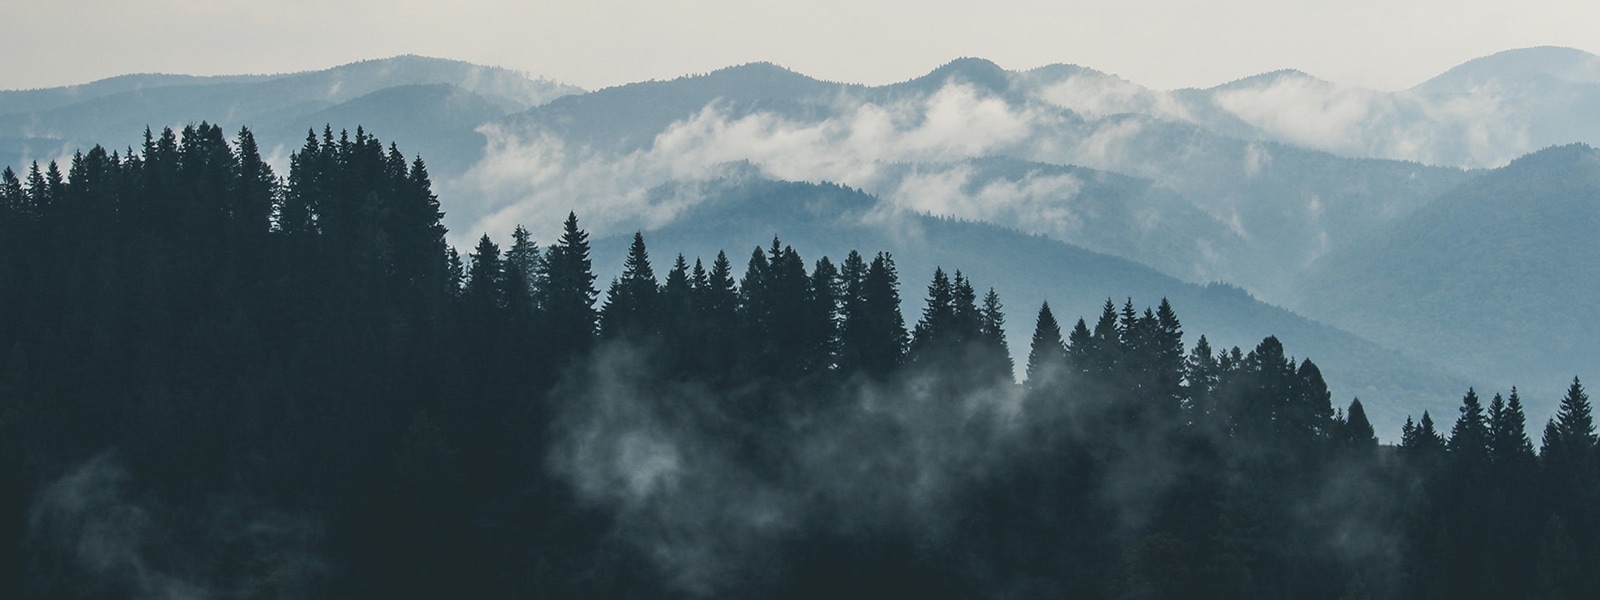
x=221, y=382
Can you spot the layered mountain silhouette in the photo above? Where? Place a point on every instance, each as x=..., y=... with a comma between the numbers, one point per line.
x=1401, y=216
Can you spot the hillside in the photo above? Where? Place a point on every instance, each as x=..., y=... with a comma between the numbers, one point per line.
x=829, y=220
x=1496, y=276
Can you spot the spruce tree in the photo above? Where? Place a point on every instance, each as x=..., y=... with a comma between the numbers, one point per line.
x=874, y=333
x=1356, y=436
x=1508, y=437
x=521, y=271
x=566, y=292
x=1047, y=355
x=1203, y=374
x=485, y=283
x=935, y=331
x=1469, y=437
x=992, y=334
x=630, y=307
x=827, y=294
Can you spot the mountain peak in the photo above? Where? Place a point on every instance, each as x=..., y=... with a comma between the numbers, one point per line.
x=978, y=72
x=1270, y=78
x=1522, y=65
x=761, y=73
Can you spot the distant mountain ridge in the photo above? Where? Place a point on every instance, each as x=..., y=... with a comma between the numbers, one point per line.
x=1499, y=275
x=47, y=124
x=743, y=211
x=1252, y=183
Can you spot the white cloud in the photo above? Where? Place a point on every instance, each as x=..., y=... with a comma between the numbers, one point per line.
x=534, y=178
x=1094, y=96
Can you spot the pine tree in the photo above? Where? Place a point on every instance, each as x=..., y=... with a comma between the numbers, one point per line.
x=485, y=279
x=1047, y=356
x=566, y=292
x=630, y=307
x=677, y=317
x=935, y=331
x=296, y=214
x=1575, y=422
x=1355, y=434
x=1508, y=437
x=521, y=271
x=827, y=297
x=1203, y=373
x=257, y=188
x=716, y=309
x=968, y=322
x=992, y=334
x=1105, y=354
x=1167, y=361
x=874, y=333
x=1080, y=348
x=1469, y=437
x=1422, y=444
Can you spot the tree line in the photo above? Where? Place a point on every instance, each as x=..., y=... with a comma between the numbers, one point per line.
x=226, y=382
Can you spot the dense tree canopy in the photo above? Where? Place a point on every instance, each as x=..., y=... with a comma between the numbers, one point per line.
x=217, y=381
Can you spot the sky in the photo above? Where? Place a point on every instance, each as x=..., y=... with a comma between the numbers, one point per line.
x=1165, y=44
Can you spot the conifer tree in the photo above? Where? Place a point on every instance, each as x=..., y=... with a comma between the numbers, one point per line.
x=992, y=333
x=716, y=309
x=826, y=299
x=1469, y=437
x=521, y=271
x=1080, y=348
x=1203, y=373
x=1106, y=352
x=296, y=215
x=630, y=307
x=566, y=292
x=1047, y=356
x=1575, y=431
x=678, y=320
x=936, y=328
x=484, y=279
x=1356, y=436
x=874, y=333
x=257, y=191
x=1508, y=436
x=964, y=308
x=1167, y=360
x=1421, y=443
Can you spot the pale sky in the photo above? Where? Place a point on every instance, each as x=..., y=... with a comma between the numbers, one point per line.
x=1381, y=44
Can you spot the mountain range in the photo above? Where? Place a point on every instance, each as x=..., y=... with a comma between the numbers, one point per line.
x=1394, y=237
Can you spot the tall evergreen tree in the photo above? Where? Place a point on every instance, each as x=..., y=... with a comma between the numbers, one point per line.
x=1047, y=356
x=485, y=283
x=630, y=309
x=874, y=333
x=1356, y=436
x=258, y=188
x=1469, y=437
x=935, y=332
x=827, y=298
x=1508, y=436
x=996, y=354
x=566, y=292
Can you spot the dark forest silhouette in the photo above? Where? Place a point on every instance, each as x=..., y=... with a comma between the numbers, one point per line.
x=220, y=382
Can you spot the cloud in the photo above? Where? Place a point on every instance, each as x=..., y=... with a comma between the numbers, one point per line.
x=535, y=178
x=92, y=531
x=712, y=506
x=1096, y=96
x=1478, y=127
x=1036, y=203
